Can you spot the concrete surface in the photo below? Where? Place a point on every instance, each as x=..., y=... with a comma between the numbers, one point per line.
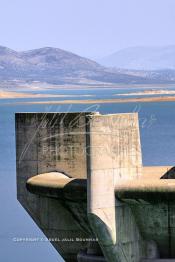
x=81, y=179
x=49, y=142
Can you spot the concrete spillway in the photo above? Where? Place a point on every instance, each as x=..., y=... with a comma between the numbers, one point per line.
x=80, y=177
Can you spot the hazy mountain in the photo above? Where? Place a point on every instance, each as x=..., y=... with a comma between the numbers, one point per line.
x=53, y=65
x=42, y=61
x=142, y=58
x=152, y=76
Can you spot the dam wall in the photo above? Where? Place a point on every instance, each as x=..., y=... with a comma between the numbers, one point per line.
x=67, y=167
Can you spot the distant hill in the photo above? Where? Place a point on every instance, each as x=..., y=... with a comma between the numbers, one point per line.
x=42, y=62
x=56, y=66
x=142, y=58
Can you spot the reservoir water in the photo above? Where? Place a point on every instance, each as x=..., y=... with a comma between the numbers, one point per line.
x=157, y=129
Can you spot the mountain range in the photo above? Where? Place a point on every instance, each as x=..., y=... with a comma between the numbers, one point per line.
x=142, y=58
x=56, y=66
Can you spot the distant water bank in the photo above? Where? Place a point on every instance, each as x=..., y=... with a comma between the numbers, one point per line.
x=101, y=101
x=11, y=95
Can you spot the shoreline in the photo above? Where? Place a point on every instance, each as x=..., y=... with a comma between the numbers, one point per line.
x=13, y=95
x=101, y=101
x=149, y=93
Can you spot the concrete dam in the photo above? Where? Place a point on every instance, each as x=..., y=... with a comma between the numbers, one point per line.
x=81, y=179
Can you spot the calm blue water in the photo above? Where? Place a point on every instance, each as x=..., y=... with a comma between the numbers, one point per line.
x=157, y=127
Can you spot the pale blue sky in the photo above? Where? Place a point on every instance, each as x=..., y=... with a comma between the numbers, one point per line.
x=88, y=27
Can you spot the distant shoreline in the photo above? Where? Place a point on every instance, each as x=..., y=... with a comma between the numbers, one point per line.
x=101, y=101
x=149, y=92
x=82, y=87
x=11, y=95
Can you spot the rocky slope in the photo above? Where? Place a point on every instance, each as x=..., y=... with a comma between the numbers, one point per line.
x=56, y=66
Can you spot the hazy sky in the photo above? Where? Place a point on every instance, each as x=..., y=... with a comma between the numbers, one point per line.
x=91, y=28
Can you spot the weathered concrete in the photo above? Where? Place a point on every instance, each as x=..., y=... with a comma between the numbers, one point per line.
x=84, y=257
x=114, y=154
x=59, y=186
x=85, y=179
x=158, y=260
x=46, y=143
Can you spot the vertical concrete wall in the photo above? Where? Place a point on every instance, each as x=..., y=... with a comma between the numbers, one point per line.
x=47, y=142
x=114, y=154
x=54, y=141
x=115, y=142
